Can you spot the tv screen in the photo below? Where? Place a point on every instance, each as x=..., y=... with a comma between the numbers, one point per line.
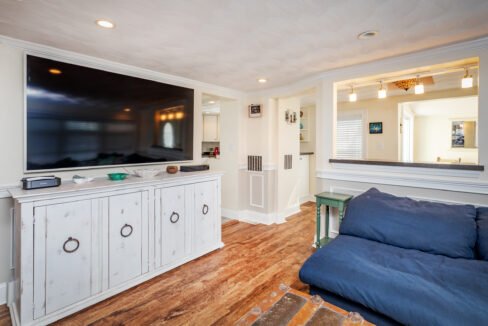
x=83, y=117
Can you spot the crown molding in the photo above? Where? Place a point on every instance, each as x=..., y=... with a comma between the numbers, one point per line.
x=118, y=67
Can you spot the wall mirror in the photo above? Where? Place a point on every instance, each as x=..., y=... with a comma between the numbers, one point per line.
x=423, y=115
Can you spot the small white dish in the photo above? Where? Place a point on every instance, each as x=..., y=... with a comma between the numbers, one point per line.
x=81, y=180
x=147, y=173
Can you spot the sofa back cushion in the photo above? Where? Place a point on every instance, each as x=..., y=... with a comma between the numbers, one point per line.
x=435, y=228
x=482, y=225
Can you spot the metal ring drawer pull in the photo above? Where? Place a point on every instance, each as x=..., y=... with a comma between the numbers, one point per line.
x=126, y=226
x=71, y=239
x=205, y=209
x=174, y=220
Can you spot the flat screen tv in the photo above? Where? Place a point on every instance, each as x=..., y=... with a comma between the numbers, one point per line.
x=80, y=117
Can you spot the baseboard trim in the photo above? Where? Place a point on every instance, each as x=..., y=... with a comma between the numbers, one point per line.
x=253, y=217
x=306, y=199
x=3, y=292
x=14, y=314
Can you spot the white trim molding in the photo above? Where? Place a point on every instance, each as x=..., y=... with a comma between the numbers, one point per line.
x=254, y=217
x=266, y=167
x=258, y=178
x=3, y=293
x=402, y=176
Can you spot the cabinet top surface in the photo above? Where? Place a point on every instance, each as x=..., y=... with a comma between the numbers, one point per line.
x=102, y=184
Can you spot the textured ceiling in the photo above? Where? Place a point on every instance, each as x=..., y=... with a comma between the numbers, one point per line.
x=233, y=42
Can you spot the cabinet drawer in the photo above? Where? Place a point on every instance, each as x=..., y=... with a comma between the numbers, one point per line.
x=125, y=237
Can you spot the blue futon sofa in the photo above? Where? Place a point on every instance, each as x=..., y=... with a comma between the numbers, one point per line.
x=401, y=261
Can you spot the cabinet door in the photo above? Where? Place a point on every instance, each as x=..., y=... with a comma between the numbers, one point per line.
x=125, y=237
x=66, y=261
x=174, y=222
x=205, y=229
x=210, y=128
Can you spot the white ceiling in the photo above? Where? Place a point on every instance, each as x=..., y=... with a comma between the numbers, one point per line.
x=233, y=42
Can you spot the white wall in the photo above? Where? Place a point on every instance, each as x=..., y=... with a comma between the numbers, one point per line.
x=432, y=139
x=228, y=161
x=288, y=143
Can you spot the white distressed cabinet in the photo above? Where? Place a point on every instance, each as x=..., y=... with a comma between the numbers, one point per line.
x=207, y=224
x=173, y=219
x=64, y=256
x=79, y=244
x=127, y=236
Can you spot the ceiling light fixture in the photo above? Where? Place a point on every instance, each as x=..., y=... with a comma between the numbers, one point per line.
x=353, y=97
x=262, y=80
x=467, y=81
x=419, y=87
x=127, y=110
x=381, y=91
x=367, y=35
x=211, y=102
x=54, y=71
x=105, y=23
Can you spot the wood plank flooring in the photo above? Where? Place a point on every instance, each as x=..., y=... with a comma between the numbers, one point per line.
x=216, y=289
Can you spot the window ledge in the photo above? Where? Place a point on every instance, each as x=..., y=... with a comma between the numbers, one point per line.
x=444, y=166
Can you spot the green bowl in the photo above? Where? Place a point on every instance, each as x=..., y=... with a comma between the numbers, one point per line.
x=117, y=176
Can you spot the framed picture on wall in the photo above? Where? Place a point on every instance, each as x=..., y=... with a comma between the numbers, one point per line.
x=376, y=127
x=255, y=111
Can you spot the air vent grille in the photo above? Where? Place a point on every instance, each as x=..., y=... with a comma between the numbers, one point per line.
x=254, y=163
x=288, y=161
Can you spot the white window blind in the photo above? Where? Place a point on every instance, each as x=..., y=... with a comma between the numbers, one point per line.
x=349, y=144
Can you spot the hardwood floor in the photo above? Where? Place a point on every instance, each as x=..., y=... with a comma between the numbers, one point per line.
x=216, y=289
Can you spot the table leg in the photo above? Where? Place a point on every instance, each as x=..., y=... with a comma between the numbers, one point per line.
x=327, y=222
x=317, y=227
x=341, y=213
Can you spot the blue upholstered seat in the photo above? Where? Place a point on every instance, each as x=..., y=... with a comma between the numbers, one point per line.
x=415, y=262
x=409, y=286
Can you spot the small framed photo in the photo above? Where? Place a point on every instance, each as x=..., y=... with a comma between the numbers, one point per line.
x=255, y=111
x=376, y=127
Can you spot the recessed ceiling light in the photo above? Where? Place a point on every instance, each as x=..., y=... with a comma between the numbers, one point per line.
x=105, y=23
x=54, y=71
x=211, y=102
x=262, y=80
x=127, y=109
x=367, y=35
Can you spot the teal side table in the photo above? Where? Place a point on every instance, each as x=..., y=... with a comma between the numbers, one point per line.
x=329, y=199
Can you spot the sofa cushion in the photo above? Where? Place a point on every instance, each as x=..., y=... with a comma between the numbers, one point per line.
x=436, y=228
x=409, y=286
x=482, y=225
